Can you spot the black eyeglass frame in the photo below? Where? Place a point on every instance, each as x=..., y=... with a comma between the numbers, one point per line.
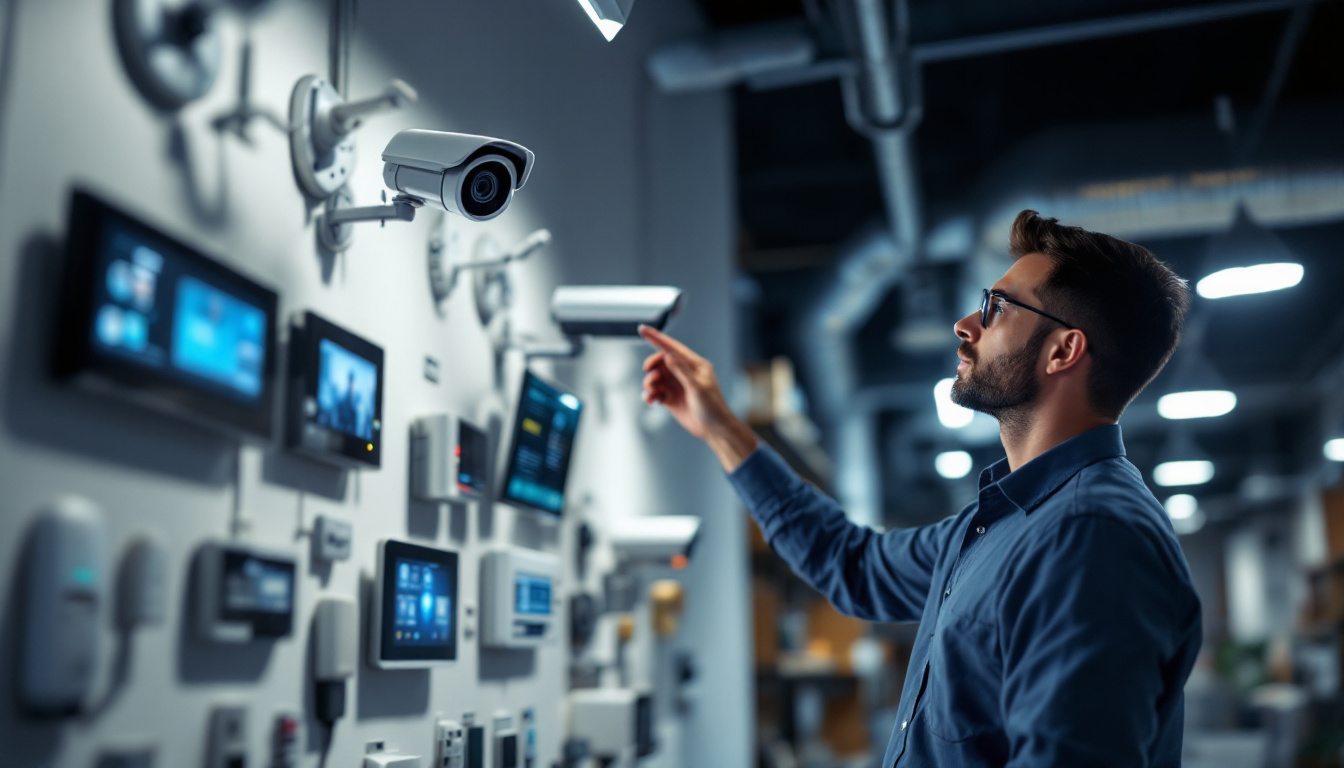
x=987, y=294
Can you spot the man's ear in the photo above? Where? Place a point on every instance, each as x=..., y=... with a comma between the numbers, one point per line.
x=1066, y=351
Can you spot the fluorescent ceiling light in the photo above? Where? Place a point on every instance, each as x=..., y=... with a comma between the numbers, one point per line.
x=607, y=15
x=950, y=414
x=1171, y=473
x=1334, y=449
x=953, y=465
x=1239, y=281
x=1200, y=404
x=1182, y=506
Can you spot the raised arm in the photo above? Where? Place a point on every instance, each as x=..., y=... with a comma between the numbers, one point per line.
x=880, y=577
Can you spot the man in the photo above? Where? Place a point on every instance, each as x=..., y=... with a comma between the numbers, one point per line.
x=1057, y=619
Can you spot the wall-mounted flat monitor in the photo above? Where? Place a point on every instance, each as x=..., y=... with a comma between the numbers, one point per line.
x=151, y=318
x=413, y=622
x=335, y=394
x=543, y=439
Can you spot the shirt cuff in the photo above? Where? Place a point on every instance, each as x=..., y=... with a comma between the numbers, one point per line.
x=763, y=481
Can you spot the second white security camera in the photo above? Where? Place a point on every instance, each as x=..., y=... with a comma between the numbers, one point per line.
x=474, y=176
x=613, y=310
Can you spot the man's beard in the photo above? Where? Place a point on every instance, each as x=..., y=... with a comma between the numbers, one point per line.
x=1007, y=387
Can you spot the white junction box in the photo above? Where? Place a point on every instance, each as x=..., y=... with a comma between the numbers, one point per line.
x=519, y=598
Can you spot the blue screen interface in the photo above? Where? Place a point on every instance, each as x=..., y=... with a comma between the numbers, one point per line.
x=347, y=390
x=533, y=594
x=424, y=604
x=542, y=440
x=150, y=308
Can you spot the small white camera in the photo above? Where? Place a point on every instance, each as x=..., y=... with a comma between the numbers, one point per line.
x=613, y=310
x=653, y=538
x=474, y=176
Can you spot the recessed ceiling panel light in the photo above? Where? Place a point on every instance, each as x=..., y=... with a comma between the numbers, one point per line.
x=1176, y=473
x=1200, y=404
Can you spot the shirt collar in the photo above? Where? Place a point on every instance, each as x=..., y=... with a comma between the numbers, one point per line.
x=1032, y=482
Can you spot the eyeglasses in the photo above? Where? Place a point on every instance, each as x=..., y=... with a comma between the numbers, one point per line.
x=986, y=303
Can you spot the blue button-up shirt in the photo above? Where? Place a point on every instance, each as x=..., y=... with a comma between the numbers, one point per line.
x=1057, y=619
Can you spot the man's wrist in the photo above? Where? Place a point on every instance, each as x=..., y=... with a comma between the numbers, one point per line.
x=732, y=441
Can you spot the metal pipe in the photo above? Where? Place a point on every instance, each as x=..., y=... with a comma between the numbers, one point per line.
x=1283, y=61
x=1092, y=29
x=1016, y=40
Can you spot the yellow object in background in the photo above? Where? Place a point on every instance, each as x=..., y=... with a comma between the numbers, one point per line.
x=625, y=627
x=532, y=425
x=667, y=598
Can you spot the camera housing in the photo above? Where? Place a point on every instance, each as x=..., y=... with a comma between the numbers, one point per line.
x=653, y=539
x=474, y=176
x=613, y=310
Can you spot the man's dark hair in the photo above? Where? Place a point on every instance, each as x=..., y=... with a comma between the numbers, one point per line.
x=1129, y=305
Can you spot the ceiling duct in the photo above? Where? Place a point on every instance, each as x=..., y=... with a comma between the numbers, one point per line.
x=722, y=59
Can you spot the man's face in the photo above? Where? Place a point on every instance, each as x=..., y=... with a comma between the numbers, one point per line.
x=998, y=368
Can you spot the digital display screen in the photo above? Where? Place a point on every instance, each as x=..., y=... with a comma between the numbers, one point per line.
x=336, y=394
x=533, y=595
x=471, y=458
x=418, y=620
x=151, y=310
x=543, y=438
x=424, y=607
x=347, y=389
x=253, y=585
x=172, y=325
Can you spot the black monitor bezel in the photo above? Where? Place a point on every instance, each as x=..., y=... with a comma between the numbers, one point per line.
x=304, y=375
x=528, y=377
x=388, y=651
x=75, y=357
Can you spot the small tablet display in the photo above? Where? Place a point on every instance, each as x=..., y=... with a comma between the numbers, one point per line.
x=415, y=616
x=163, y=323
x=543, y=438
x=336, y=394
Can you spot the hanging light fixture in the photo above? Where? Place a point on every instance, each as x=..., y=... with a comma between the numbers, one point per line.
x=1248, y=259
x=1183, y=509
x=1181, y=462
x=953, y=465
x=950, y=414
x=1198, y=392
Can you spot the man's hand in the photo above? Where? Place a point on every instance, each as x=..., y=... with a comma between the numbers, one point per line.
x=685, y=384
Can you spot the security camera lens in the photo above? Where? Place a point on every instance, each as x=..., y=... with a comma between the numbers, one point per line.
x=486, y=189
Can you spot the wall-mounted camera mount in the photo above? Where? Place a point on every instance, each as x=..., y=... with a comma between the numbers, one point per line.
x=170, y=48
x=334, y=226
x=322, y=125
x=489, y=265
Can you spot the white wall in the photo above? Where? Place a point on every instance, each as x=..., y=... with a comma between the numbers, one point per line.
x=635, y=186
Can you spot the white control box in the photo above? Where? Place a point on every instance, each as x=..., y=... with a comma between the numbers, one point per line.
x=519, y=598
x=612, y=721
x=448, y=459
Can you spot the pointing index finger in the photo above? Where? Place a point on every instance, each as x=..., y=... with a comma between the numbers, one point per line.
x=666, y=343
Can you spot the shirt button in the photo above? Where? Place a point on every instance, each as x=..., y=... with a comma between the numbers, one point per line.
x=904, y=723
x=980, y=531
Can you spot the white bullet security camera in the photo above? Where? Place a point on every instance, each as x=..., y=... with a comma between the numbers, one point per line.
x=474, y=176
x=613, y=310
x=654, y=538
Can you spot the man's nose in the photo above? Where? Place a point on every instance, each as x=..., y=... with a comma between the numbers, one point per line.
x=968, y=327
